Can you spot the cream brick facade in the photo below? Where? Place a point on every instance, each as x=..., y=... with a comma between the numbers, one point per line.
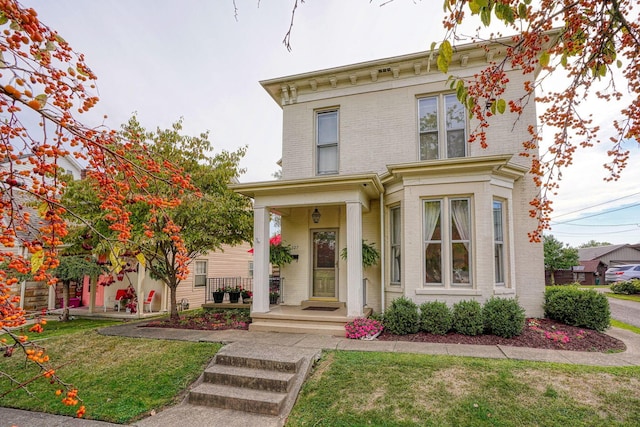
x=379, y=168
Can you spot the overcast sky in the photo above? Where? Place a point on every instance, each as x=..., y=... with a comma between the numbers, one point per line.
x=166, y=59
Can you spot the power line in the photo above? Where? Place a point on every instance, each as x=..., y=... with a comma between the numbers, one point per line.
x=598, y=214
x=599, y=204
x=595, y=225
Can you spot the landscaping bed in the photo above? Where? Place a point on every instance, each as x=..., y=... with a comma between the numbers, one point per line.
x=537, y=333
x=207, y=320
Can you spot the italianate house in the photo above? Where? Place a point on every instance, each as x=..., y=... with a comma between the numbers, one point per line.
x=378, y=152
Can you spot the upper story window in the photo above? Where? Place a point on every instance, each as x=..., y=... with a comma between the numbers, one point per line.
x=327, y=142
x=442, y=127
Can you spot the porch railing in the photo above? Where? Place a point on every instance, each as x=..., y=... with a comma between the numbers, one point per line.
x=246, y=283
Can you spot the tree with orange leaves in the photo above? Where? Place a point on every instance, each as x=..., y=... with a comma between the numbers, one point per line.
x=593, y=44
x=44, y=87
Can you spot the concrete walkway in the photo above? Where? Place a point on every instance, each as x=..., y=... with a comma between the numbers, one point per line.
x=196, y=416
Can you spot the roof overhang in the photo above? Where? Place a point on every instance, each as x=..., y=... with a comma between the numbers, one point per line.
x=315, y=191
x=501, y=165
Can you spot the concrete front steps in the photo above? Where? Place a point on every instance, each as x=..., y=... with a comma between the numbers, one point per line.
x=308, y=318
x=257, y=379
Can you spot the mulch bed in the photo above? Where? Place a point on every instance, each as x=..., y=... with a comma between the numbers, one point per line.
x=207, y=321
x=538, y=333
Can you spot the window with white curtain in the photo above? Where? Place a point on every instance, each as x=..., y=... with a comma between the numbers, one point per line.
x=447, y=242
x=442, y=127
x=396, y=238
x=200, y=273
x=327, y=142
x=498, y=241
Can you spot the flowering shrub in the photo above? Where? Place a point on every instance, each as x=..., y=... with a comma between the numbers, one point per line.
x=555, y=335
x=363, y=328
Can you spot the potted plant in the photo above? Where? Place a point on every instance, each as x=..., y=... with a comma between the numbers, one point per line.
x=218, y=295
x=246, y=296
x=370, y=255
x=234, y=293
x=273, y=296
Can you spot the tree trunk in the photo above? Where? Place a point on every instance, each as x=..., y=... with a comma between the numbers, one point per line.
x=552, y=279
x=65, y=302
x=173, y=310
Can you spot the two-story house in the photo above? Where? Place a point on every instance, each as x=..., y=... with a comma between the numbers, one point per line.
x=378, y=151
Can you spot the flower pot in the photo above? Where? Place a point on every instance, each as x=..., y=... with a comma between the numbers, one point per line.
x=273, y=299
x=234, y=297
x=218, y=297
x=247, y=300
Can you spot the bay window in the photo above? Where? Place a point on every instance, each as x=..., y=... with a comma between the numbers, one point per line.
x=447, y=242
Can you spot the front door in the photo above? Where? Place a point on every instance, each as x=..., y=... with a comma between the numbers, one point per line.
x=325, y=263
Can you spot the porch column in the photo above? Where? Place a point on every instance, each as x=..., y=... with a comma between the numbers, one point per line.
x=260, y=260
x=51, y=303
x=354, y=259
x=142, y=271
x=92, y=293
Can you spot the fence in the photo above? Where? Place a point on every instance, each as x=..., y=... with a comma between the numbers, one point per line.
x=244, y=283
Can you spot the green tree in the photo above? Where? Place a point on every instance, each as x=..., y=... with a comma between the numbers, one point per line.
x=169, y=240
x=74, y=268
x=592, y=244
x=558, y=256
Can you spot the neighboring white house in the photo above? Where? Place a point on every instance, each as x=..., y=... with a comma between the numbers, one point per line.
x=378, y=151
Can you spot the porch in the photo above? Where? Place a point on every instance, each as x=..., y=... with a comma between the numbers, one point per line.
x=311, y=317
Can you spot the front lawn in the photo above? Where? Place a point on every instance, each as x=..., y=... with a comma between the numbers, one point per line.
x=387, y=389
x=119, y=379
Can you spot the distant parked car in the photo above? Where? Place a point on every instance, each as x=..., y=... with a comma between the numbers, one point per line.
x=622, y=272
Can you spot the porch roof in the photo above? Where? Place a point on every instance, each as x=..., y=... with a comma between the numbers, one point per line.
x=313, y=191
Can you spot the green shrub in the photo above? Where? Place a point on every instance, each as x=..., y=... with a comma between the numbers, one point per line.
x=435, y=318
x=577, y=307
x=467, y=318
x=402, y=318
x=628, y=287
x=503, y=317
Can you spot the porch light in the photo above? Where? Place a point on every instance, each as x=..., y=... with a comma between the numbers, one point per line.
x=315, y=216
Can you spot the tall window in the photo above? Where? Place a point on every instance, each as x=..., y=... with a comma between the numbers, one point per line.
x=442, y=127
x=396, y=236
x=498, y=240
x=327, y=142
x=200, y=273
x=447, y=241
x=250, y=268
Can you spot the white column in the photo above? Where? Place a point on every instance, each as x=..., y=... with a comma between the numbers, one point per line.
x=142, y=271
x=93, y=284
x=260, y=260
x=52, y=297
x=354, y=259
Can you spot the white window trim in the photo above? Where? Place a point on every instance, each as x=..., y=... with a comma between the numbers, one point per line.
x=441, y=127
x=392, y=244
x=317, y=146
x=446, y=244
x=196, y=274
x=503, y=242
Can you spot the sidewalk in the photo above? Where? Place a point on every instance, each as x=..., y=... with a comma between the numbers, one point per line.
x=630, y=357
x=193, y=416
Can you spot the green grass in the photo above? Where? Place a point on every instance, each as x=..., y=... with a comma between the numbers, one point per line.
x=390, y=389
x=119, y=379
x=626, y=326
x=634, y=297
